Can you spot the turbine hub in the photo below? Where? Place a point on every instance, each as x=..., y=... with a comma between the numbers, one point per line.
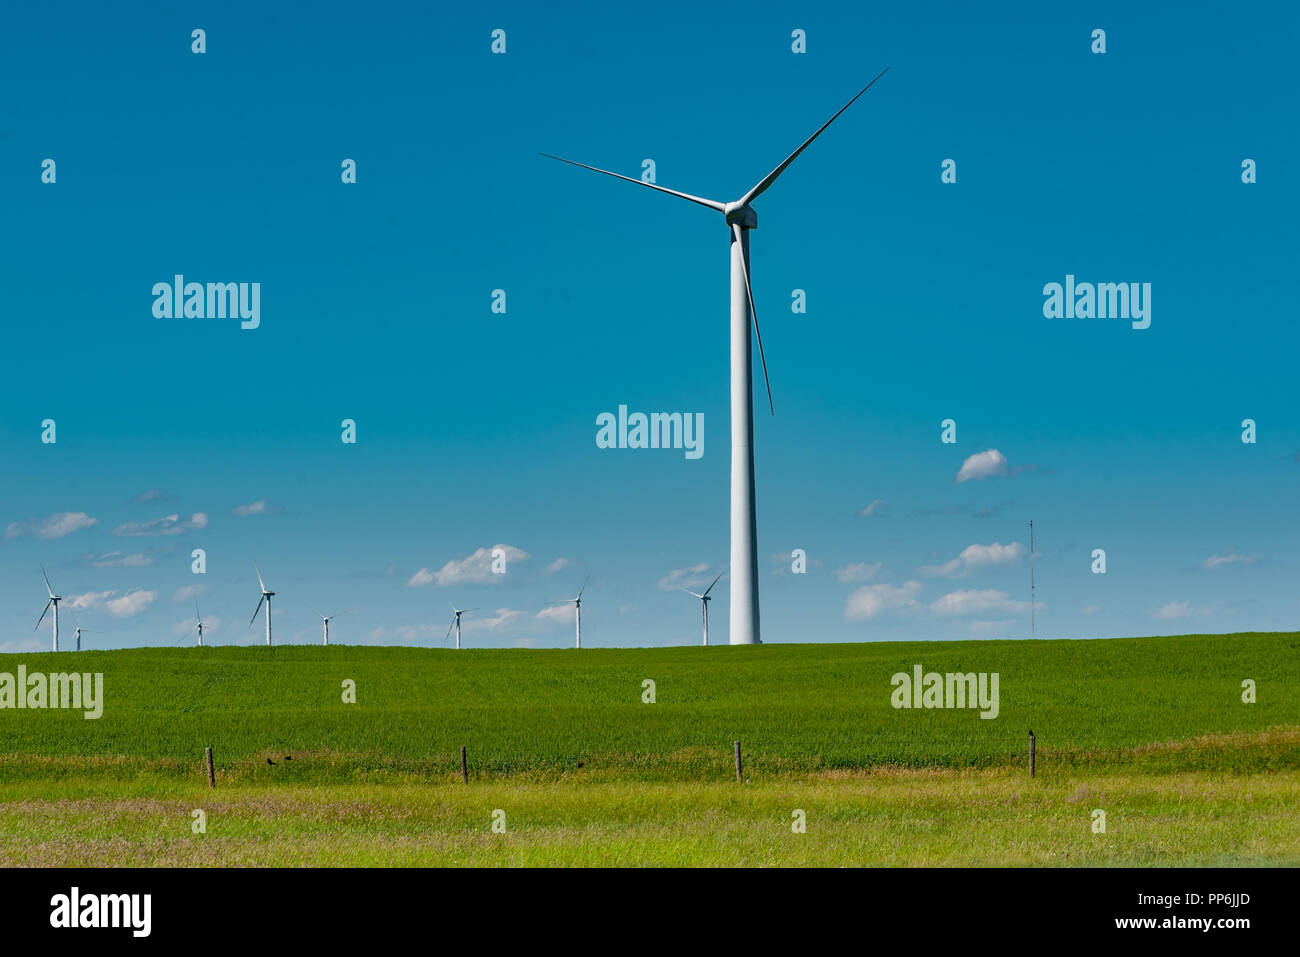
x=744, y=215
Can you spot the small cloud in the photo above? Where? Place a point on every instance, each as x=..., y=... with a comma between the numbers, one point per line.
x=132, y=603
x=260, y=507
x=692, y=576
x=1232, y=558
x=90, y=599
x=857, y=572
x=55, y=526
x=876, y=507
x=120, y=559
x=557, y=614
x=189, y=593
x=1089, y=609
x=475, y=569
x=167, y=525
x=153, y=496
x=972, y=602
x=558, y=565
x=982, y=465
x=1182, y=609
x=974, y=557
x=498, y=620
x=420, y=579
x=870, y=600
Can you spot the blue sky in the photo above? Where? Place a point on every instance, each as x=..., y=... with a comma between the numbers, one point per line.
x=477, y=429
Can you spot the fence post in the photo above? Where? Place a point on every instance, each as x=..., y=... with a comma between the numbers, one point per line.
x=212, y=774
x=1031, y=753
x=736, y=745
x=464, y=765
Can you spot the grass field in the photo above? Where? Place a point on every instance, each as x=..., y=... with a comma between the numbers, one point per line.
x=1151, y=730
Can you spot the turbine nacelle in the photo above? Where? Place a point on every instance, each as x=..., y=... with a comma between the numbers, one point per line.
x=740, y=213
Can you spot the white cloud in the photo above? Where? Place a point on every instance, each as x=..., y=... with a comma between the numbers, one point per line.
x=974, y=557
x=189, y=592
x=972, y=602
x=557, y=614
x=558, y=565
x=870, y=600
x=1232, y=558
x=983, y=465
x=132, y=603
x=420, y=579
x=857, y=572
x=167, y=525
x=55, y=526
x=1089, y=609
x=873, y=509
x=475, y=569
x=23, y=646
x=692, y=576
x=1182, y=609
x=118, y=559
x=151, y=497
x=90, y=599
x=260, y=507
x=497, y=620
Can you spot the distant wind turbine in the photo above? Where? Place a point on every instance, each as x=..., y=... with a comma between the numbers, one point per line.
x=79, y=629
x=741, y=218
x=325, y=623
x=455, y=623
x=704, y=602
x=266, y=597
x=577, y=605
x=198, y=618
x=53, y=602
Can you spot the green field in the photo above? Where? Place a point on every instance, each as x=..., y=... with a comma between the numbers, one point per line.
x=1152, y=730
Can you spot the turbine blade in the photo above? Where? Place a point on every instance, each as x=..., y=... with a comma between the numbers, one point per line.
x=48, y=587
x=256, y=610
x=42, y=618
x=584, y=586
x=196, y=610
x=449, y=628
x=753, y=313
x=259, y=576
x=715, y=581
x=689, y=592
x=712, y=204
x=770, y=178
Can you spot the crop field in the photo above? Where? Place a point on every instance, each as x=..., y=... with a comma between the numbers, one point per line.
x=584, y=770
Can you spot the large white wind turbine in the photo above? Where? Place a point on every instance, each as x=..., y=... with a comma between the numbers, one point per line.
x=266, y=597
x=53, y=602
x=577, y=605
x=741, y=218
x=704, y=601
x=455, y=623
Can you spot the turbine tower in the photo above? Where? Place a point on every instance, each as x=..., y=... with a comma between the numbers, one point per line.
x=78, y=629
x=53, y=602
x=325, y=623
x=455, y=623
x=266, y=597
x=704, y=601
x=577, y=605
x=741, y=218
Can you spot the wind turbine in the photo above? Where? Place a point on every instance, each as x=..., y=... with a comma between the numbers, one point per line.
x=577, y=605
x=455, y=623
x=199, y=624
x=741, y=218
x=266, y=597
x=54, y=601
x=325, y=623
x=704, y=601
x=79, y=629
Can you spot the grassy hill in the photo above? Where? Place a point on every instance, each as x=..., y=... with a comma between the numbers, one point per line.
x=796, y=708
